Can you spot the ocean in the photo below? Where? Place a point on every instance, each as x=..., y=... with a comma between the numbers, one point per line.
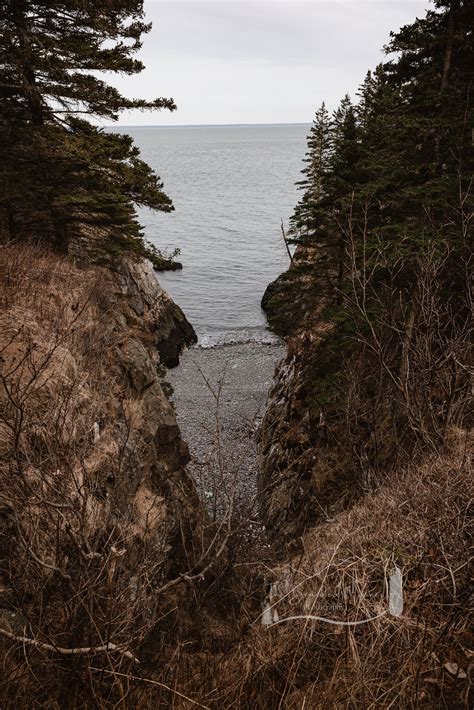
x=230, y=186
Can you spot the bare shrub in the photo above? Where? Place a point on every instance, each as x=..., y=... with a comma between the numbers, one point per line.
x=413, y=367
x=422, y=658
x=89, y=588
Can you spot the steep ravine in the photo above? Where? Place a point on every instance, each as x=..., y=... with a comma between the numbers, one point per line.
x=98, y=510
x=107, y=549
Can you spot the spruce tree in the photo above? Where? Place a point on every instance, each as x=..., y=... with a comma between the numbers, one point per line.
x=61, y=172
x=391, y=239
x=317, y=158
x=366, y=95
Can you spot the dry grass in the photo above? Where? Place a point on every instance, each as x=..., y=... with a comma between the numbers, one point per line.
x=92, y=490
x=418, y=521
x=73, y=582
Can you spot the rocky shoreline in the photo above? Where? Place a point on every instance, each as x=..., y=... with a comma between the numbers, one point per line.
x=220, y=396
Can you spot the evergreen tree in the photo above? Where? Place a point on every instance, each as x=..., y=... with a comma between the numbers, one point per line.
x=405, y=147
x=60, y=171
x=317, y=159
x=366, y=94
x=391, y=238
x=345, y=153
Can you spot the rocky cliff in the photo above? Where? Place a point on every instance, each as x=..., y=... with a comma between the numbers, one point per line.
x=98, y=512
x=376, y=377
x=303, y=478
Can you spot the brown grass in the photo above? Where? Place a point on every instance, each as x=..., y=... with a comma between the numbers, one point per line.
x=68, y=582
x=91, y=499
x=418, y=521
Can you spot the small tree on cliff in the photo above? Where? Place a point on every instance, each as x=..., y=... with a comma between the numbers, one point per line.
x=317, y=159
x=61, y=171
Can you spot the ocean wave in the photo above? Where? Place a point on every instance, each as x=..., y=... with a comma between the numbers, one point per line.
x=259, y=336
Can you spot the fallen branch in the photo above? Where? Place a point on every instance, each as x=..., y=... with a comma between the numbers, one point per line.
x=108, y=647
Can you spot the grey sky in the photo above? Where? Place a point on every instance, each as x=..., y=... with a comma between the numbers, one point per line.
x=270, y=61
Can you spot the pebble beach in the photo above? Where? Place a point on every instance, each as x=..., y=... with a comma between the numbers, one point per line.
x=220, y=395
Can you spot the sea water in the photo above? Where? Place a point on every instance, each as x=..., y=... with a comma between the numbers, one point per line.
x=230, y=186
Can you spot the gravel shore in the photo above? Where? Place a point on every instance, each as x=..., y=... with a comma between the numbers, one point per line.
x=220, y=395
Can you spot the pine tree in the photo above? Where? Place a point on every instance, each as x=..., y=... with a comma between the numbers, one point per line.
x=331, y=158
x=317, y=158
x=345, y=152
x=388, y=270
x=366, y=94
x=61, y=172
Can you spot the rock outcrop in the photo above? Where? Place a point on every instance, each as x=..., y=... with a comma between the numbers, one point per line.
x=302, y=479
x=154, y=310
x=97, y=509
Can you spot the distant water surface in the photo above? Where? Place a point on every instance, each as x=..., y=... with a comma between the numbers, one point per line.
x=230, y=186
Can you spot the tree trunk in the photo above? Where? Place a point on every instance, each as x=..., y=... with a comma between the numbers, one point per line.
x=33, y=97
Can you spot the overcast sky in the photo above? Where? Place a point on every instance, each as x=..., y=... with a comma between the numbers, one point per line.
x=259, y=61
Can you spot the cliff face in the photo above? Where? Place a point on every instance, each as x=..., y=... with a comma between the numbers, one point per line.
x=375, y=378
x=302, y=477
x=155, y=311
x=97, y=509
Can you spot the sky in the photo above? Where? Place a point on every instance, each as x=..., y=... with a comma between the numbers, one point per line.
x=258, y=61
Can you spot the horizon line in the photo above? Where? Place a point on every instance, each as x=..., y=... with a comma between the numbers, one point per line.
x=204, y=125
